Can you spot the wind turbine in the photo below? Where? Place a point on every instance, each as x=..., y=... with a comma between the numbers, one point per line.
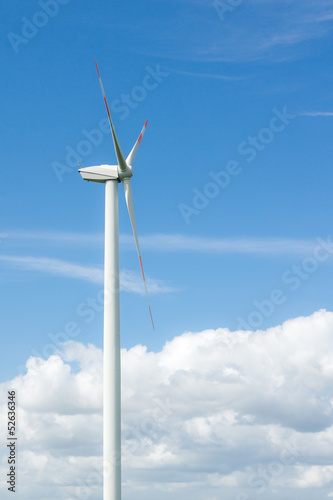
x=111, y=176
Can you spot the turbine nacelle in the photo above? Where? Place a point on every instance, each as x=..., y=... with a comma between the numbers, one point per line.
x=103, y=173
x=99, y=173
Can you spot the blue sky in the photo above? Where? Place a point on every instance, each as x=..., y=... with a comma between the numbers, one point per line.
x=232, y=182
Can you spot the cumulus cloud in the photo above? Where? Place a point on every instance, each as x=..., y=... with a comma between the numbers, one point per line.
x=213, y=414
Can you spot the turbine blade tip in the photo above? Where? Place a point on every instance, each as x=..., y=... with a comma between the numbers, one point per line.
x=151, y=317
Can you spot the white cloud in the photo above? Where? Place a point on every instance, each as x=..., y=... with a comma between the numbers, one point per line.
x=211, y=415
x=315, y=476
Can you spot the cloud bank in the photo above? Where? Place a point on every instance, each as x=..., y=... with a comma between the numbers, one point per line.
x=214, y=414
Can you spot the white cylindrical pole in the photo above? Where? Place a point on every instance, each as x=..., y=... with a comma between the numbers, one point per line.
x=111, y=371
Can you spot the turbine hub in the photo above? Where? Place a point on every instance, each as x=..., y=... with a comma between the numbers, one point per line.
x=125, y=174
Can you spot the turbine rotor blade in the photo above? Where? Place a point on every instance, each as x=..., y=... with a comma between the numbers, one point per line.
x=131, y=156
x=120, y=157
x=129, y=203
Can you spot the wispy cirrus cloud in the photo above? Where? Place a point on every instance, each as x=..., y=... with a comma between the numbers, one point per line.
x=252, y=30
x=316, y=113
x=213, y=76
x=58, y=237
x=174, y=243
x=129, y=281
x=262, y=246
x=55, y=266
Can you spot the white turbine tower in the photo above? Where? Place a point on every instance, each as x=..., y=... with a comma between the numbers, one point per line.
x=111, y=175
